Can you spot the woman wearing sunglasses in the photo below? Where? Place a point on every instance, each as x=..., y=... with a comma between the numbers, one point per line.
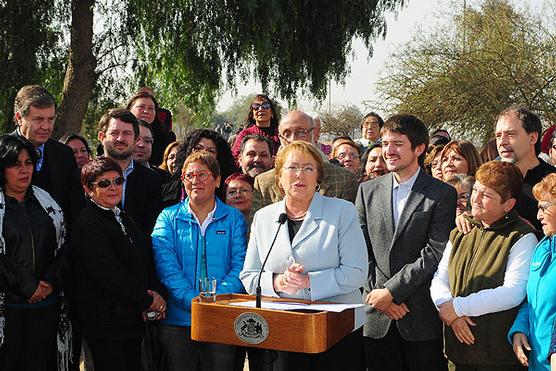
x=198, y=238
x=263, y=120
x=116, y=288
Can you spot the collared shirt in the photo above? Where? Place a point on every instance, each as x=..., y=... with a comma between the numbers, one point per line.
x=204, y=225
x=400, y=193
x=40, y=152
x=128, y=170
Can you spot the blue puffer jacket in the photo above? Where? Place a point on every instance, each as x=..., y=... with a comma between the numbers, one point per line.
x=178, y=244
x=537, y=314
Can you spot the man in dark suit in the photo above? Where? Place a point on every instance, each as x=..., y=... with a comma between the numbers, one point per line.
x=406, y=217
x=56, y=171
x=337, y=182
x=142, y=198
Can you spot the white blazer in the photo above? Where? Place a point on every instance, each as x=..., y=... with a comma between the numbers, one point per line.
x=329, y=244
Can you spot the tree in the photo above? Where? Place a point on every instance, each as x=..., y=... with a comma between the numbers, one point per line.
x=342, y=121
x=182, y=48
x=463, y=76
x=28, y=47
x=294, y=44
x=80, y=72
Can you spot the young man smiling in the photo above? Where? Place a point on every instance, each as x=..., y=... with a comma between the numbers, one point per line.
x=406, y=217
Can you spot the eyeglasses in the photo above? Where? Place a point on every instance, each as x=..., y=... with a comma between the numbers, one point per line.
x=545, y=205
x=351, y=155
x=256, y=106
x=145, y=140
x=235, y=192
x=291, y=135
x=300, y=169
x=201, y=175
x=105, y=183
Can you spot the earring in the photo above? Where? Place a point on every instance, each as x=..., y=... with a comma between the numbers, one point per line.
x=318, y=188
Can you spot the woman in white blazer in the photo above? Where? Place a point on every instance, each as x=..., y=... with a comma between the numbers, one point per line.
x=319, y=254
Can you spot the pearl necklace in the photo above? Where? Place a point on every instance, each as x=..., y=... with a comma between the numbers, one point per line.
x=296, y=217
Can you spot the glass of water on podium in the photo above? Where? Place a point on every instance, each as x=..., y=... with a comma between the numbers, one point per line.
x=207, y=290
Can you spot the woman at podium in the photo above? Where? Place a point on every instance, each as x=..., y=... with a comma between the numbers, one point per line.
x=319, y=255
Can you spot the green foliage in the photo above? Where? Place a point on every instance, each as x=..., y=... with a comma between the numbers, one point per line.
x=189, y=51
x=186, y=45
x=28, y=44
x=462, y=77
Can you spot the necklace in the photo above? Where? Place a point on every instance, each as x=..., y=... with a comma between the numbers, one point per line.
x=296, y=217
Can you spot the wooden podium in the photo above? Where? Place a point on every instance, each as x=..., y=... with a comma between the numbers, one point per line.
x=293, y=331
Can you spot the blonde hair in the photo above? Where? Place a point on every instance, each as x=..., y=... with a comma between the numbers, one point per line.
x=306, y=149
x=167, y=151
x=349, y=142
x=546, y=188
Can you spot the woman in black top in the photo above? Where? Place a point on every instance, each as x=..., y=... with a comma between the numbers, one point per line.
x=116, y=288
x=31, y=240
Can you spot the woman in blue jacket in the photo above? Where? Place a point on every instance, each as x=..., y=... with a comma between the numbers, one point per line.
x=531, y=331
x=199, y=237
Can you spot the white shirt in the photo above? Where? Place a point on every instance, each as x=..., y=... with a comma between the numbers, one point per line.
x=206, y=222
x=400, y=193
x=509, y=295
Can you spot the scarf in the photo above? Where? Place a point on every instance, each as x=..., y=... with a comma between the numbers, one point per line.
x=63, y=336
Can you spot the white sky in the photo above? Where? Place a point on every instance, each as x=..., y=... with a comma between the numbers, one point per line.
x=364, y=71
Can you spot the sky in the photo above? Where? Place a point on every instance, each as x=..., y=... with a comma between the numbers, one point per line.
x=359, y=84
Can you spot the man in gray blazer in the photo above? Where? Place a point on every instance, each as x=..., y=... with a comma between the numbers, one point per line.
x=406, y=217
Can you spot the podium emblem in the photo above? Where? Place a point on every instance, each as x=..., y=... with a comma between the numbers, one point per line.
x=251, y=328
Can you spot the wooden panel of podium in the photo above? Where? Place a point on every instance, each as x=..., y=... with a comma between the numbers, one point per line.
x=294, y=331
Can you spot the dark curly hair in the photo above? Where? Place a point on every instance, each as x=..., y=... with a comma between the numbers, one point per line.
x=223, y=154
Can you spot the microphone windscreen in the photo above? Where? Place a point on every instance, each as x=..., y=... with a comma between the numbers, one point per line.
x=282, y=218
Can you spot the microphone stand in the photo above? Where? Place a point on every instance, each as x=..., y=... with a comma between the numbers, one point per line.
x=263, y=359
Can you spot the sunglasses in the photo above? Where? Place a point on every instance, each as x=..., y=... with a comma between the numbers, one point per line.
x=256, y=106
x=105, y=183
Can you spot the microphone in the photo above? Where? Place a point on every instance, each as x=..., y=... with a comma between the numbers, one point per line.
x=281, y=219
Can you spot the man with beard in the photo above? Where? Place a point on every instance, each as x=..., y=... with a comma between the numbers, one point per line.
x=255, y=156
x=142, y=199
x=518, y=133
x=406, y=217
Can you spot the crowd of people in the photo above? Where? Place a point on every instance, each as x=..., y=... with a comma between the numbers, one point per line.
x=448, y=249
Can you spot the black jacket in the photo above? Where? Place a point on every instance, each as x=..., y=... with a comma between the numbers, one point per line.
x=31, y=243
x=143, y=196
x=112, y=272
